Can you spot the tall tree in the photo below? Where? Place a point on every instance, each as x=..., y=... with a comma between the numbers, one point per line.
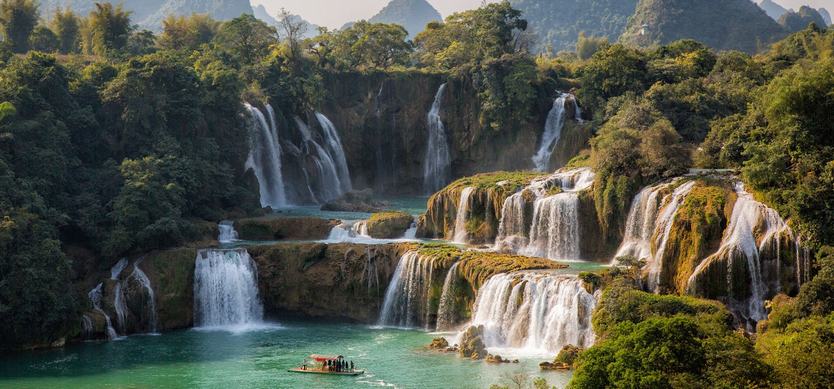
x=66, y=25
x=187, y=33
x=18, y=19
x=247, y=39
x=108, y=28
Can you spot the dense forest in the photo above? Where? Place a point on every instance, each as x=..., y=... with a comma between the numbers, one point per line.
x=118, y=141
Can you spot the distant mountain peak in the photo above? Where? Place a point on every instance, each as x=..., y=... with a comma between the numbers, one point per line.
x=414, y=15
x=825, y=15
x=774, y=10
x=797, y=21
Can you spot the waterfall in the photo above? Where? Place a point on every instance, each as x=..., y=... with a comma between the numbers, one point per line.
x=406, y=301
x=334, y=146
x=227, y=232
x=436, y=165
x=461, y=235
x=446, y=309
x=664, y=223
x=150, y=303
x=226, y=289
x=120, y=307
x=87, y=328
x=265, y=159
x=411, y=232
x=749, y=220
x=553, y=229
x=327, y=176
x=553, y=131
x=95, y=295
x=116, y=270
x=640, y=224
x=537, y=312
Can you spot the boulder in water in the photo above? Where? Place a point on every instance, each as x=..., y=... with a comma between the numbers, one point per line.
x=496, y=359
x=439, y=344
x=358, y=201
x=472, y=343
x=389, y=225
x=284, y=228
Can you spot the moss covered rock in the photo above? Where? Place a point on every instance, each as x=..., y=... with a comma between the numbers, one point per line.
x=389, y=225
x=284, y=228
x=171, y=274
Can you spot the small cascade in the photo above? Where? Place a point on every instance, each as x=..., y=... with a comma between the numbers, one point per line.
x=553, y=130
x=407, y=297
x=265, y=158
x=227, y=232
x=120, y=307
x=149, y=303
x=117, y=269
x=461, y=235
x=641, y=222
x=753, y=229
x=95, y=295
x=411, y=232
x=446, y=309
x=87, y=328
x=543, y=219
x=663, y=228
x=537, y=312
x=436, y=164
x=333, y=144
x=226, y=289
x=326, y=176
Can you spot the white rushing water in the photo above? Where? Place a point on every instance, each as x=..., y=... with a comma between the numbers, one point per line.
x=226, y=289
x=265, y=158
x=406, y=299
x=227, y=232
x=553, y=230
x=356, y=231
x=116, y=270
x=534, y=313
x=436, y=164
x=333, y=144
x=95, y=295
x=149, y=315
x=749, y=220
x=553, y=130
x=446, y=309
x=461, y=235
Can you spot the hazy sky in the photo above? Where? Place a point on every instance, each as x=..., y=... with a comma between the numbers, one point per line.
x=335, y=13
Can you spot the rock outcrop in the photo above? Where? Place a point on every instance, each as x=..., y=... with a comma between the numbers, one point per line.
x=270, y=228
x=389, y=225
x=472, y=344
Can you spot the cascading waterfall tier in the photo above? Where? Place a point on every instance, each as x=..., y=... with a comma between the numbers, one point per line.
x=226, y=289
x=553, y=130
x=446, y=309
x=536, y=312
x=461, y=235
x=751, y=241
x=227, y=232
x=333, y=145
x=436, y=164
x=406, y=301
x=265, y=158
x=149, y=314
x=551, y=229
x=95, y=295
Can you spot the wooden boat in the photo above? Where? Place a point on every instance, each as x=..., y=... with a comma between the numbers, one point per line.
x=318, y=364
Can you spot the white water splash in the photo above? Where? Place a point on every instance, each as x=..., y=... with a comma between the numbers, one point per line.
x=436, y=164
x=265, y=159
x=406, y=299
x=553, y=130
x=333, y=144
x=534, y=313
x=461, y=235
x=226, y=289
x=553, y=229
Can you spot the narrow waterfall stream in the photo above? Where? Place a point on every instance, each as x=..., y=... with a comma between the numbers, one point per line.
x=149, y=315
x=226, y=289
x=461, y=235
x=553, y=130
x=95, y=295
x=436, y=164
x=227, y=232
x=553, y=229
x=534, y=312
x=406, y=299
x=664, y=223
x=333, y=144
x=446, y=309
x=265, y=158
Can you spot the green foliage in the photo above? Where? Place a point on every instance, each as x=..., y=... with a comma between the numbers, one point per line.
x=246, y=39
x=362, y=46
x=67, y=27
x=108, y=28
x=43, y=39
x=187, y=33
x=801, y=353
x=470, y=37
x=18, y=19
x=587, y=46
x=612, y=72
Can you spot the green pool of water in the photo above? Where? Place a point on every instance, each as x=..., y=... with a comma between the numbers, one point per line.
x=259, y=359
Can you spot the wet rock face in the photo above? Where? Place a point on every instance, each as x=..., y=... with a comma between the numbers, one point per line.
x=313, y=280
x=275, y=228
